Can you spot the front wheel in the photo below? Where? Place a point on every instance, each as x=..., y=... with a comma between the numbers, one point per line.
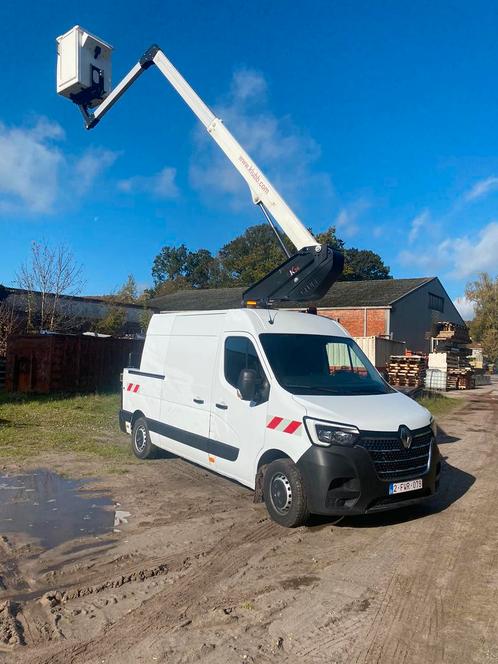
x=140, y=441
x=284, y=494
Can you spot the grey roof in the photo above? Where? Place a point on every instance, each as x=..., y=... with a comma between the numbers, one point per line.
x=379, y=293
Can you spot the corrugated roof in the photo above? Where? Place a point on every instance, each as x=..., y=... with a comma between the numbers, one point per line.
x=378, y=293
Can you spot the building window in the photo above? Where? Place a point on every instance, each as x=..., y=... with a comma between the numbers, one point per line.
x=436, y=302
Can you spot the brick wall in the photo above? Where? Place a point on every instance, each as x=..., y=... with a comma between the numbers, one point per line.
x=354, y=320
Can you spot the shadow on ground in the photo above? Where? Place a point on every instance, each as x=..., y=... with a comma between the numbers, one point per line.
x=443, y=438
x=454, y=484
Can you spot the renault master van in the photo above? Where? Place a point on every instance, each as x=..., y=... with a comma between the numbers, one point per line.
x=285, y=403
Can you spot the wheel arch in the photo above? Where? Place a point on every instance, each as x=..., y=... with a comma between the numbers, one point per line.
x=136, y=415
x=264, y=460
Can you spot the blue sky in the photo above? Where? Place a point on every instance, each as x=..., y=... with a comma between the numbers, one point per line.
x=380, y=118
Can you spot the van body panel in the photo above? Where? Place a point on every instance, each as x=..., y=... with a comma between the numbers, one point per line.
x=378, y=412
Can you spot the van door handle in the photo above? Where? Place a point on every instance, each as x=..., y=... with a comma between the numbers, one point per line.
x=195, y=400
x=221, y=406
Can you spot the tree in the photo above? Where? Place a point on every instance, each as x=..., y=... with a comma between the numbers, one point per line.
x=169, y=264
x=247, y=259
x=484, y=328
x=114, y=321
x=184, y=268
x=329, y=237
x=250, y=256
x=48, y=274
x=362, y=265
x=128, y=293
x=10, y=322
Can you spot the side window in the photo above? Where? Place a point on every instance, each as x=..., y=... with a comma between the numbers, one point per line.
x=240, y=354
x=341, y=357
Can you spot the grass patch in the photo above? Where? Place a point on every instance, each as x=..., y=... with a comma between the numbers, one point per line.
x=85, y=424
x=439, y=404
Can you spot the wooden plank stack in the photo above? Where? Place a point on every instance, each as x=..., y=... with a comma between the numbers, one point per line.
x=451, y=355
x=406, y=370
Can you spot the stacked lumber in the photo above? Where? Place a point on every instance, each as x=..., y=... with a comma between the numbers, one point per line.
x=406, y=370
x=458, y=334
x=451, y=356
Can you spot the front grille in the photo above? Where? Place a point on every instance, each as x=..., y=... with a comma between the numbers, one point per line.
x=391, y=460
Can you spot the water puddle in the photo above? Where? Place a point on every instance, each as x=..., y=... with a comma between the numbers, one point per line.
x=51, y=508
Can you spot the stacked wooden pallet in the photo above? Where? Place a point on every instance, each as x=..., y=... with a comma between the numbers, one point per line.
x=451, y=356
x=406, y=370
x=458, y=334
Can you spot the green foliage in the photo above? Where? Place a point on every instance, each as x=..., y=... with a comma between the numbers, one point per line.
x=250, y=256
x=247, y=259
x=196, y=269
x=439, y=404
x=128, y=293
x=114, y=321
x=362, y=265
x=484, y=328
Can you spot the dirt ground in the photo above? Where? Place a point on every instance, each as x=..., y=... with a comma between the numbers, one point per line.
x=200, y=574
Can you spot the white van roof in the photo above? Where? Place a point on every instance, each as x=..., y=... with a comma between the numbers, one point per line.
x=255, y=321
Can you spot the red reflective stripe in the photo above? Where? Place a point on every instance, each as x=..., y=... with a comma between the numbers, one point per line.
x=273, y=424
x=135, y=389
x=293, y=426
x=130, y=385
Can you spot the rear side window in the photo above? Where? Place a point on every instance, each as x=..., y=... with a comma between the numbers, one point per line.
x=240, y=354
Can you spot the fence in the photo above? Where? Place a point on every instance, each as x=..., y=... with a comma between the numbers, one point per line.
x=67, y=363
x=3, y=363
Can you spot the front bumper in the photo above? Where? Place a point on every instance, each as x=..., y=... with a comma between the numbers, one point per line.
x=343, y=480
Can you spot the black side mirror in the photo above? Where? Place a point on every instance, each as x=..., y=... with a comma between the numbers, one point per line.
x=247, y=384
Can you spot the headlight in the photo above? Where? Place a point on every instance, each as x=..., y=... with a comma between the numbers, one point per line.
x=433, y=426
x=329, y=433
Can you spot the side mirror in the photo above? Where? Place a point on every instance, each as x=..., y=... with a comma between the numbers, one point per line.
x=247, y=384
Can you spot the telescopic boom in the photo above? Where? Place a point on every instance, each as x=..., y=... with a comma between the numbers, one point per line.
x=306, y=275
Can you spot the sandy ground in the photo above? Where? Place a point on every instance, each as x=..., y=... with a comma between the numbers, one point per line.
x=200, y=574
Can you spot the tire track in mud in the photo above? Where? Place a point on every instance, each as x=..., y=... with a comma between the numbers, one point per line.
x=162, y=612
x=415, y=613
x=412, y=606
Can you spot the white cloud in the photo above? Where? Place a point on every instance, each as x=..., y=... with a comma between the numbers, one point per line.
x=465, y=307
x=482, y=188
x=90, y=165
x=462, y=256
x=346, y=221
x=36, y=175
x=287, y=154
x=417, y=224
x=161, y=185
x=30, y=163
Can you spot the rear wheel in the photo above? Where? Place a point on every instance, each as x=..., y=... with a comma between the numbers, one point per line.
x=140, y=441
x=284, y=494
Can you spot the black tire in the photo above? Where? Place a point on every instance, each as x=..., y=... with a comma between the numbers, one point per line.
x=140, y=440
x=284, y=494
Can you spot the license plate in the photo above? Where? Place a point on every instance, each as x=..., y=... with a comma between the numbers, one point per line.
x=402, y=487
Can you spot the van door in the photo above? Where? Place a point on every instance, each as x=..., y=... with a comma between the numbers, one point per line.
x=237, y=428
x=186, y=397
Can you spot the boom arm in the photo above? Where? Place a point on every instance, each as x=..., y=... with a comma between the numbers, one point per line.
x=262, y=190
x=306, y=275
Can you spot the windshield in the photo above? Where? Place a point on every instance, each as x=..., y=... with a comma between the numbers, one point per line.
x=316, y=364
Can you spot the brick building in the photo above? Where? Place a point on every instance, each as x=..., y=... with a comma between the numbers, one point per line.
x=401, y=309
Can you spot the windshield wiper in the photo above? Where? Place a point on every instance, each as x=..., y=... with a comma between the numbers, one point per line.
x=326, y=390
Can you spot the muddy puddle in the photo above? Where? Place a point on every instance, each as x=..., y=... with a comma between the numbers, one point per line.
x=51, y=508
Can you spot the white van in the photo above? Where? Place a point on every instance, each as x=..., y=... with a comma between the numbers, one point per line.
x=285, y=403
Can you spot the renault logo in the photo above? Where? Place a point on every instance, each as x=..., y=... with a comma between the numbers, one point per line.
x=406, y=437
